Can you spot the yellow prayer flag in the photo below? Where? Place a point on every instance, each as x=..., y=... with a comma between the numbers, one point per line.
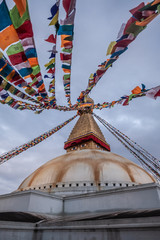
x=11, y=89
x=54, y=19
x=52, y=98
x=91, y=76
x=110, y=47
x=8, y=99
x=50, y=62
x=1, y=54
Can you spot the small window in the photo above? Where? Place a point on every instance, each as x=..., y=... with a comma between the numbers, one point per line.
x=99, y=184
x=106, y=184
x=44, y=187
x=120, y=184
x=63, y=185
x=70, y=185
x=56, y=185
x=73, y=148
x=91, y=184
x=83, y=145
x=50, y=186
x=126, y=184
x=98, y=146
x=39, y=187
x=84, y=184
x=114, y=184
x=77, y=184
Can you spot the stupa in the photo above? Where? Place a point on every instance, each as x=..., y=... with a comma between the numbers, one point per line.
x=87, y=193
x=87, y=166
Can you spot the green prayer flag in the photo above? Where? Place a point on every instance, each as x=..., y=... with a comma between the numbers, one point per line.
x=30, y=91
x=67, y=50
x=13, y=49
x=36, y=70
x=158, y=8
x=66, y=76
x=17, y=20
x=70, y=38
x=10, y=102
x=7, y=86
x=133, y=28
x=51, y=66
x=34, y=80
x=130, y=97
x=15, y=91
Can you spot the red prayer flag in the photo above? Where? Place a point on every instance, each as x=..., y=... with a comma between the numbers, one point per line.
x=65, y=56
x=157, y=94
x=66, y=5
x=51, y=70
x=126, y=101
x=18, y=58
x=25, y=30
x=51, y=39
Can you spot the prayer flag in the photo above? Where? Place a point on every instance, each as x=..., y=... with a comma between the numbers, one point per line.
x=69, y=19
x=21, y=6
x=15, y=48
x=17, y=58
x=110, y=47
x=5, y=18
x=18, y=20
x=54, y=10
x=51, y=39
x=136, y=90
x=54, y=20
x=146, y=21
x=25, y=30
x=7, y=37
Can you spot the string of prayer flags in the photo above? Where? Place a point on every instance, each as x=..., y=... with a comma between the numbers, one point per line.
x=54, y=12
x=136, y=92
x=142, y=15
x=66, y=30
x=15, y=91
x=12, y=102
x=9, y=74
x=16, y=151
x=27, y=64
x=50, y=66
x=153, y=92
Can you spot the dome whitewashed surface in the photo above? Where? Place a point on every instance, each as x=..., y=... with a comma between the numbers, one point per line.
x=86, y=170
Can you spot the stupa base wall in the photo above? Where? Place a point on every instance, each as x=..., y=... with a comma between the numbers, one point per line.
x=145, y=196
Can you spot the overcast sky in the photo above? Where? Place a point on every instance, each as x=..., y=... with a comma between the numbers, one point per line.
x=97, y=23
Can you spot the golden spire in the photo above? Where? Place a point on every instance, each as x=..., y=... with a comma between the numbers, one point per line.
x=86, y=135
